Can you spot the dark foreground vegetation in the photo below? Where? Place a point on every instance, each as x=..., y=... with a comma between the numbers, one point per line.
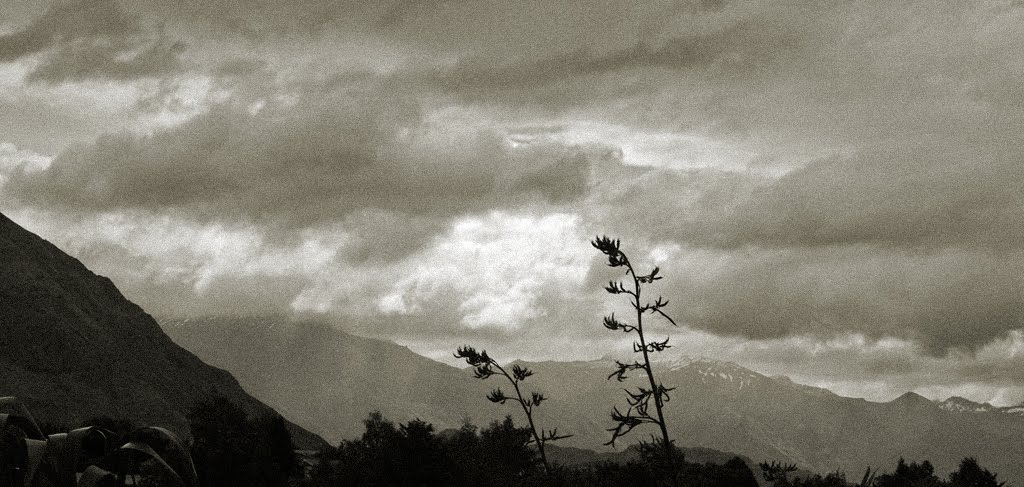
x=227, y=448
x=414, y=454
x=969, y=474
x=230, y=448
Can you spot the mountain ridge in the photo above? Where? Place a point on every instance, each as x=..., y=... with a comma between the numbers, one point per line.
x=75, y=347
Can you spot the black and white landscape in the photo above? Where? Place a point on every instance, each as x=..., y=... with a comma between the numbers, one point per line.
x=308, y=208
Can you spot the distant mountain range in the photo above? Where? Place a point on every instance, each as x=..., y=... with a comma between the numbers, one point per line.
x=962, y=405
x=72, y=347
x=328, y=381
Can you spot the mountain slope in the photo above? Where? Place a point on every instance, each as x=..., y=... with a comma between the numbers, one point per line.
x=726, y=407
x=329, y=380
x=73, y=347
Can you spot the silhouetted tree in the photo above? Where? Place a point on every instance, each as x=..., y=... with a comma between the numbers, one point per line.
x=777, y=473
x=506, y=450
x=229, y=449
x=639, y=401
x=420, y=456
x=970, y=474
x=274, y=446
x=220, y=435
x=485, y=367
x=463, y=448
x=368, y=461
x=501, y=455
x=734, y=473
x=413, y=455
x=912, y=475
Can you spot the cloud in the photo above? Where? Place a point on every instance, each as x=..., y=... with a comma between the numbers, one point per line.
x=913, y=196
x=307, y=163
x=175, y=267
x=495, y=268
x=591, y=74
x=91, y=39
x=789, y=83
x=929, y=197
x=875, y=254
x=14, y=159
x=944, y=299
x=85, y=62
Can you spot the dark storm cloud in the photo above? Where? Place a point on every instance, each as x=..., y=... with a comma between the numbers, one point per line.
x=259, y=19
x=83, y=62
x=91, y=39
x=312, y=163
x=912, y=196
x=926, y=197
x=586, y=75
x=910, y=226
x=949, y=299
x=791, y=81
x=476, y=74
x=922, y=243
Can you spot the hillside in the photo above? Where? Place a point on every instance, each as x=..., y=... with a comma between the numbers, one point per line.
x=723, y=406
x=329, y=380
x=74, y=347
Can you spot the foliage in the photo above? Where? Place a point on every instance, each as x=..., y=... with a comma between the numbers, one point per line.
x=776, y=472
x=639, y=400
x=486, y=367
x=778, y=475
x=89, y=455
x=117, y=428
x=414, y=455
x=910, y=475
x=13, y=455
x=969, y=474
x=230, y=449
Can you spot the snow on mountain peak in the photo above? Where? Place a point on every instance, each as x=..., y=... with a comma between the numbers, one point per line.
x=710, y=369
x=962, y=405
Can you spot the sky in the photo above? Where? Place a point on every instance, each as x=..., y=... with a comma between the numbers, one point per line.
x=833, y=191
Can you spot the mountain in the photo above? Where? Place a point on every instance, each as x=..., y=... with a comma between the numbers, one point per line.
x=73, y=347
x=960, y=404
x=329, y=380
x=567, y=455
x=726, y=407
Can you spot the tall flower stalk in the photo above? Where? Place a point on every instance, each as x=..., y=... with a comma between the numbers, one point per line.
x=485, y=367
x=640, y=399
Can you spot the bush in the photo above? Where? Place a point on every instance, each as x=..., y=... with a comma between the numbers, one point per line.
x=499, y=455
x=230, y=449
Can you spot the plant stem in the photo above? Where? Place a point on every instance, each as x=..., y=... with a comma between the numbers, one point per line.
x=528, y=409
x=647, y=360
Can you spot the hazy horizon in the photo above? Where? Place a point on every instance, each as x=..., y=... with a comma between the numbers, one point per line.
x=832, y=192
